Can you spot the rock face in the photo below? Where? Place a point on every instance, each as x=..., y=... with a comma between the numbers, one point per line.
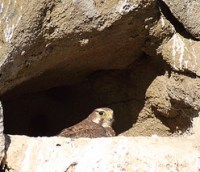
x=103, y=154
x=187, y=13
x=71, y=38
x=182, y=54
x=92, y=55
x=60, y=59
x=2, y=142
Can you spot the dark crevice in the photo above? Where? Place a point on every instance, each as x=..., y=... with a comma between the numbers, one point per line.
x=181, y=122
x=179, y=27
x=186, y=73
x=125, y=101
x=181, y=117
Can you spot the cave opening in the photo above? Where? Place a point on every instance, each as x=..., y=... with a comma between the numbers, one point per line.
x=114, y=70
x=46, y=112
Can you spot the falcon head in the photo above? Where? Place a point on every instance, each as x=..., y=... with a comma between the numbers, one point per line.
x=103, y=115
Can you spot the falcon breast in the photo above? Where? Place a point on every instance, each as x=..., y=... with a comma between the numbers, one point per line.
x=97, y=124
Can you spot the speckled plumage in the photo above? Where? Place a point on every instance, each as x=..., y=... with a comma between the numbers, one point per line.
x=97, y=124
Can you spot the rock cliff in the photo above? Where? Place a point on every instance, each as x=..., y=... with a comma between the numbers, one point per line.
x=60, y=59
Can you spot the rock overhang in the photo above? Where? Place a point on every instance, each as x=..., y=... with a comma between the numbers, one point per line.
x=126, y=53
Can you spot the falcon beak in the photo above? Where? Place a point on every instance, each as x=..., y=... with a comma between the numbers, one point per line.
x=109, y=116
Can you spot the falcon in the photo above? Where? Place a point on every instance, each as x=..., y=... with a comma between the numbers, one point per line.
x=97, y=124
x=107, y=125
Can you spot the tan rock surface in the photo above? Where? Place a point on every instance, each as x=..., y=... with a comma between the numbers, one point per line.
x=182, y=54
x=168, y=94
x=157, y=96
x=187, y=13
x=103, y=154
x=57, y=154
x=2, y=141
x=71, y=38
x=61, y=59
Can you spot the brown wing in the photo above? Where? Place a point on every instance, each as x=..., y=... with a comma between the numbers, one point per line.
x=110, y=132
x=86, y=128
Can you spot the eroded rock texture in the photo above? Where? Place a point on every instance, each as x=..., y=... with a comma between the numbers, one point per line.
x=2, y=141
x=73, y=38
x=91, y=51
x=60, y=59
x=103, y=154
x=182, y=54
x=187, y=13
x=60, y=55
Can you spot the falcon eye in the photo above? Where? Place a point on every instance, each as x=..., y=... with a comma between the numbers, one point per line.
x=101, y=113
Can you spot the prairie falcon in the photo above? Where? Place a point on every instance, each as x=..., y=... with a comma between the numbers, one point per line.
x=97, y=124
